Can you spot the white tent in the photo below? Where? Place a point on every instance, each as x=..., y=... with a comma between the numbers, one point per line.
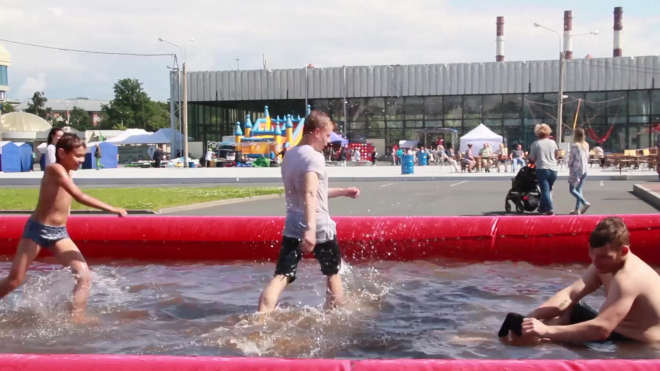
x=409, y=144
x=478, y=136
x=126, y=134
x=162, y=136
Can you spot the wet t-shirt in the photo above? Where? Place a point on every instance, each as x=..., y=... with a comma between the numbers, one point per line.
x=298, y=161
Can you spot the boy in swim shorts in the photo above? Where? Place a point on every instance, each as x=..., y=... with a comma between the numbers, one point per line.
x=308, y=226
x=631, y=310
x=46, y=227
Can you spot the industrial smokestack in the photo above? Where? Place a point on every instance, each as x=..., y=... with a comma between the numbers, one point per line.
x=618, y=27
x=499, y=40
x=568, y=34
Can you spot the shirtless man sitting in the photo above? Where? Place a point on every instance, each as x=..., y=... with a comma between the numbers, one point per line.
x=631, y=310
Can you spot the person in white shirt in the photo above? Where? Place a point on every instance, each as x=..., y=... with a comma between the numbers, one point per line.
x=357, y=156
x=209, y=157
x=308, y=227
x=53, y=136
x=578, y=163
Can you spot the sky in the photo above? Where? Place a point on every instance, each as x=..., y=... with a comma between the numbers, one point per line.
x=291, y=34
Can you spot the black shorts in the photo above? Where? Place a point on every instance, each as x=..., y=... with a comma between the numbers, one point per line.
x=327, y=253
x=582, y=312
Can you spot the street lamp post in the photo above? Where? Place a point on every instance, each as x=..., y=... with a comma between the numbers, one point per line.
x=560, y=97
x=184, y=110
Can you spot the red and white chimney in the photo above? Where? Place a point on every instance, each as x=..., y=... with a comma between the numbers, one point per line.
x=618, y=27
x=568, y=34
x=499, y=40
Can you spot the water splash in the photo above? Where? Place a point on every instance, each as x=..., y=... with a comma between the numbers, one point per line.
x=295, y=330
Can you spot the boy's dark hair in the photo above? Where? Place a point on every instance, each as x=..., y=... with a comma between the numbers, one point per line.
x=51, y=134
x=68, y=142
x=316, y=120
x=610, y=230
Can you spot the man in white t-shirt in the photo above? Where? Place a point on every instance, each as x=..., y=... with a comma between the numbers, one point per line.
x=308, y=227
x=209, y=157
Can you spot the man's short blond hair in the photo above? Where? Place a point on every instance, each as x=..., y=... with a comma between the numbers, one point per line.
x=317, y=120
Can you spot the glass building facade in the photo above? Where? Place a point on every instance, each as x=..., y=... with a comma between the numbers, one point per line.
x=625, y=118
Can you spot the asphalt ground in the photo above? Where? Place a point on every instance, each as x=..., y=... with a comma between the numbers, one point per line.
x=451, y=197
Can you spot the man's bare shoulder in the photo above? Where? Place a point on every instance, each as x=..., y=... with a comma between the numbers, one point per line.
x=635, y=276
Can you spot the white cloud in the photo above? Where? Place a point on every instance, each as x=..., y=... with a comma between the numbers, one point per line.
x=58, y=12
x=292, y=34
x=32, y=85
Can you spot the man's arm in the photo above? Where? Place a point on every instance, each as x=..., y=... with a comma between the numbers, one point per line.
x=619, y=300
x=337, y=192
x=562, y=300
x=311, y=190
x=65, y=181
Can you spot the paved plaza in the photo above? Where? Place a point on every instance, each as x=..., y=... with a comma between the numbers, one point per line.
x=136, y=176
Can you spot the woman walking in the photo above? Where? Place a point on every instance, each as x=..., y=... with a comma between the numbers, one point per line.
x=578, y=162
x=544, y=155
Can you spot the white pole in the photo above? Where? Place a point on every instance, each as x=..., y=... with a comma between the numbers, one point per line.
x=172, y=116
x=560, y=99
x=185, y=116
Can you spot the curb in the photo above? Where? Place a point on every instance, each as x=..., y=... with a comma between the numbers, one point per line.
x=261, y=180
x=204, y=205
x=82, y=212
x=646, y=195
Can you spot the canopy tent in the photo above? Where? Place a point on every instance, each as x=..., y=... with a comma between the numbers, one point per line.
x=126, y=134
x=10, y=157
x=42, y=148
x=338, y=139
x=162, y=136
x=478, y=136
x=408, y=144
x=109, y=154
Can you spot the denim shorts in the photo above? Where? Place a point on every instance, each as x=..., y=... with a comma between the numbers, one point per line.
x=44, y=235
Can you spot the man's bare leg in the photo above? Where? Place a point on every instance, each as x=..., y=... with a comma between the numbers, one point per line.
x=69, y=256
x=26, y=252
x=335, y=294
x=271, y=294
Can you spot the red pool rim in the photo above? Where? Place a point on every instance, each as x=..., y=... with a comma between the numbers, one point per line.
x=534, y=239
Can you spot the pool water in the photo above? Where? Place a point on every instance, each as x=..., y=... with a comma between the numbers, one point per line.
x=418, y=309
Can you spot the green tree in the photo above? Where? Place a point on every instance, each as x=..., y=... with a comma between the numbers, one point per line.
x=37, y=106
x=80, y=120
x=160, y=117
x=132, y=108
x=6, y=107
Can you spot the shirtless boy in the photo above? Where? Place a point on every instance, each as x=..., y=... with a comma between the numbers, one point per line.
x=631, y=310
x=308, y=226
x=46, y=227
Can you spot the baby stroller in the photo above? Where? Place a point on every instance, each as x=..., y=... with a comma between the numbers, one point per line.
x=524, y=192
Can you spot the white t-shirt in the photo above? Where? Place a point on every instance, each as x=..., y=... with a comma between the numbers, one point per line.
x=298, y=161
x=209, y=155
x=50, y=155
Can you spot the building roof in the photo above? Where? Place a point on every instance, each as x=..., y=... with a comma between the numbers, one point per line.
x=89, y=105
x=595, y=74
x=5, y=56
x=24, y=122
